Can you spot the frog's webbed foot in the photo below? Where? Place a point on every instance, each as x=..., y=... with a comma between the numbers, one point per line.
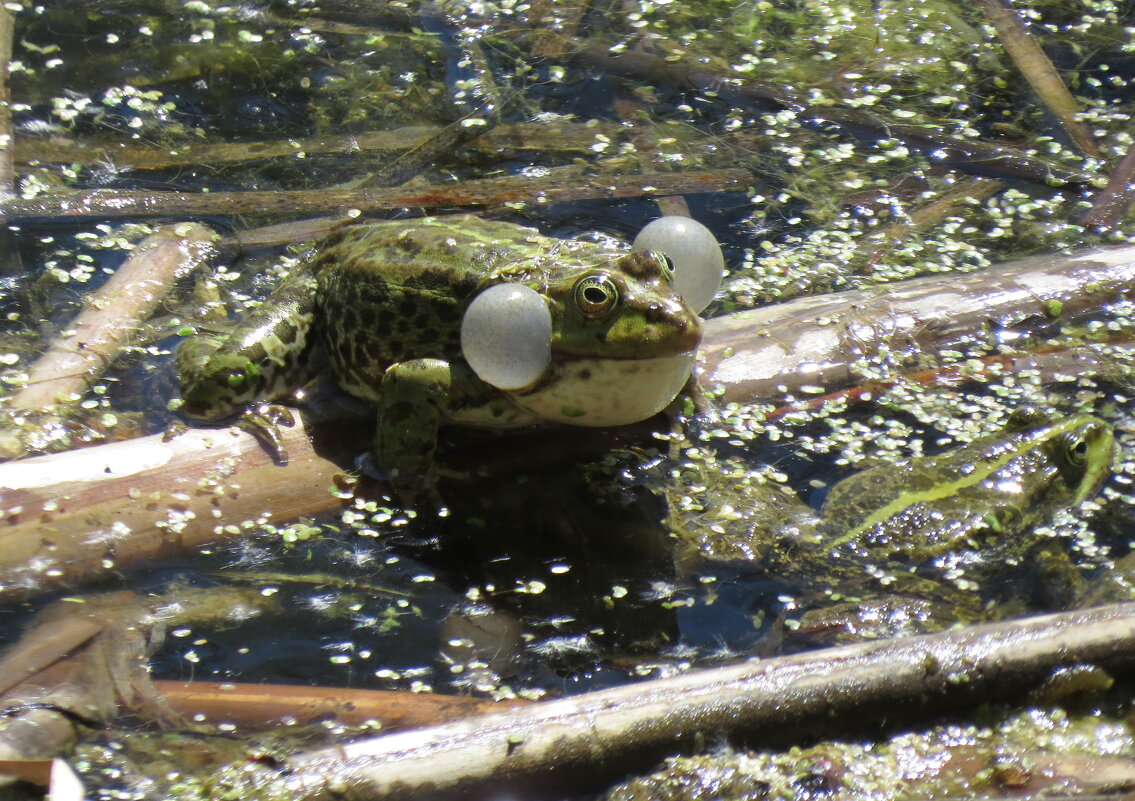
x=692, y=403
x=263, y=422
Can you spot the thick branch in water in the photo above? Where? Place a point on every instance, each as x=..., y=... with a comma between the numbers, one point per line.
x=113, y=314
x=587, y=738
x=828, y=341
x=95, y=511
x=550, y=188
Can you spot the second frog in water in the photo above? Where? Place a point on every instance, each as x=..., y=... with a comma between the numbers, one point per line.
x=943, y=529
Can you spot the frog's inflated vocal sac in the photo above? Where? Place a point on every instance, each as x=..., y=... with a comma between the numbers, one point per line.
x=382, y=306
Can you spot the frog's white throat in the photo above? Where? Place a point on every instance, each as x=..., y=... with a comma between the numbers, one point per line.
x=606, y=392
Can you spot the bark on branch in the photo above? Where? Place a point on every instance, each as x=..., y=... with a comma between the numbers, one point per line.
x=586, y=738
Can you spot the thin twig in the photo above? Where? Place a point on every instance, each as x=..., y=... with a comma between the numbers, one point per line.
x=1031, y=60
x=554, y=187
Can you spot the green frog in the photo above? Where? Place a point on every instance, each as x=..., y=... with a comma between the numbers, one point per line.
x=934, y=528
x=457, y=320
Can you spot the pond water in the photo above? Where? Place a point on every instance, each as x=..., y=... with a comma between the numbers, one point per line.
x=828, y=146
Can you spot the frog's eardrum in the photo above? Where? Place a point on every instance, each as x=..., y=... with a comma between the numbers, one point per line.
x=506, y=336
x=694, y=252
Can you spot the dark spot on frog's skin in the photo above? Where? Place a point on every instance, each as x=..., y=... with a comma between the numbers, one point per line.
x=640, y=266
x=408, y=245
x=653, y=313
x=336, y=238
x=286, y=334
x=584, y=375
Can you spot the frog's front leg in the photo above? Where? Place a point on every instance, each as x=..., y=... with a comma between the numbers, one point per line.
x=265, y=355
x=412, y=401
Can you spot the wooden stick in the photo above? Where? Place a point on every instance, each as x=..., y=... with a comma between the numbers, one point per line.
x=550, y=188
x=1031, y=60
x=579, y=741
x=112, y=314
x=262, y=706
x=7, y=167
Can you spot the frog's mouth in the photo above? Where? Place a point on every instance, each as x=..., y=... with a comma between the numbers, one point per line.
x=606, y=392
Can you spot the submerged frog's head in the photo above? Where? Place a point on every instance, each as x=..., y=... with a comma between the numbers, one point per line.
x=1000, y=484
x=1069, y=459
x=597, y=344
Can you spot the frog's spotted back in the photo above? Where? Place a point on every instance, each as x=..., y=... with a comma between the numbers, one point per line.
x=386, y=313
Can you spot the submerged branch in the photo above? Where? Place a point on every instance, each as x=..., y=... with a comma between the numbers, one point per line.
x=112, y=314
x=558, y=185
x=966, y=155
x=584, y=739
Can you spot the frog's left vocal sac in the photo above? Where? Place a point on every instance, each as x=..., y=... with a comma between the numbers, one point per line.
x=458, y=320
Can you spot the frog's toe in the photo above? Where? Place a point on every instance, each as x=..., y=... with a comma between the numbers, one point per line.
x=174, y=428
x=264, y=423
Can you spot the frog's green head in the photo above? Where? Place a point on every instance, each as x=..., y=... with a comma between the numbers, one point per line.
x=624, y=310
x=1053, y=462
x=607, y=344
x=1081, y=450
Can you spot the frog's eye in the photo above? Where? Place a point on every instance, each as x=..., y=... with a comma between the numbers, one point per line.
x=506, y=335
x=596, y=295
x=694, y=254
x=1075, y=448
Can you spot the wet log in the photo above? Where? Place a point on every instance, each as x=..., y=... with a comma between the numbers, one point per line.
x=816, y=344
x=575, y=743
